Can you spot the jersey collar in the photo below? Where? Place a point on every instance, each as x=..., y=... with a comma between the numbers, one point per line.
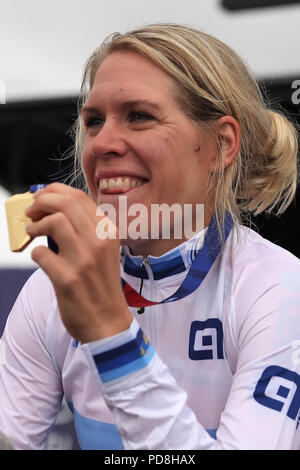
x=175, y=261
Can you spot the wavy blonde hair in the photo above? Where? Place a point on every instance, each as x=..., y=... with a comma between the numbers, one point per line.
x=212, y=81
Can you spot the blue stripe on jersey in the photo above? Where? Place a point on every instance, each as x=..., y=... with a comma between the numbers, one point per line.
x=131, y=356
x=125, y=348
x=96, y=435
x=127, y=369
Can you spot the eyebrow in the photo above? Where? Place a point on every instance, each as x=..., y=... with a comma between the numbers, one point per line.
x=124, y=105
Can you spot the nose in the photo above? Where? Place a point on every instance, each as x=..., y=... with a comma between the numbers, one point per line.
x=110, y=140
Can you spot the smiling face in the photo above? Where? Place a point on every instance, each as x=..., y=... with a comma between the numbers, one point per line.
x=139, y=143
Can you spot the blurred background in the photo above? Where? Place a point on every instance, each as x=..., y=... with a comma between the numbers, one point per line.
x=43, y=49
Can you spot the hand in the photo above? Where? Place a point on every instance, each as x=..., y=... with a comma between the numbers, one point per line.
x=86, y=271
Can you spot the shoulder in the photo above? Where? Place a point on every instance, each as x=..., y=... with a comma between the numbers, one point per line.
x=256, y=258
x=265, y=279
x=262, y=273
x=38, y=290
x=263, y=314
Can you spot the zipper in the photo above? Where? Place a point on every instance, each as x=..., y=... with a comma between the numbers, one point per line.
x=143, y=269
x=149, y=319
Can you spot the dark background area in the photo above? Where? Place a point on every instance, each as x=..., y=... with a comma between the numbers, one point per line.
x=250, y=4
x=35, y=141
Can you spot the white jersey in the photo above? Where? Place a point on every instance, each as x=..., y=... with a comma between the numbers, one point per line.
x=218, y=369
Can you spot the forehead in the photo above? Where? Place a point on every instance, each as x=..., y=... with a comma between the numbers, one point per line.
x=129, y=73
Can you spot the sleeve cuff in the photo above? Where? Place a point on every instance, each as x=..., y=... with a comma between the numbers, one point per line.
x=120, y=355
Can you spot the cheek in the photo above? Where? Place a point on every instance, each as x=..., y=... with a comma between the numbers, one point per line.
x=86, y=164
x=88, y=168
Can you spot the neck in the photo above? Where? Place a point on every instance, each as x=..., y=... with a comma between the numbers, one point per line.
x=154, y=247
x=158, y=247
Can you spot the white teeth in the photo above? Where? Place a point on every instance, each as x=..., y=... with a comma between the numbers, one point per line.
x=127, y=183
x=111, y=183
x=119, y=182
x=103, y=184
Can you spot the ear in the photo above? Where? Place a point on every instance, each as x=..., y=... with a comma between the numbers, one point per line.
x=228, y=132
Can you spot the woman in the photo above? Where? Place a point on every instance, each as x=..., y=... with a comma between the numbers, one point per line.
x=195, y=349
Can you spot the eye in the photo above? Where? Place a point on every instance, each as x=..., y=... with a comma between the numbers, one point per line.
x=94, y=121
x=139, y=116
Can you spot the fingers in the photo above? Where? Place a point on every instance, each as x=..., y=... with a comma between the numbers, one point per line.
x=60, y=229
x=70, y=218
x=75, y=204
x=86, y=271
x=54, y=267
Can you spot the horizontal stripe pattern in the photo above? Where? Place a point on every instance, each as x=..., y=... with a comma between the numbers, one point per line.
x=124, y=359
x=129, y=368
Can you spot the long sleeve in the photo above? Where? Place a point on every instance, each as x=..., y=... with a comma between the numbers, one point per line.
x=262, y=409
x=148, y=406
x=30, y=385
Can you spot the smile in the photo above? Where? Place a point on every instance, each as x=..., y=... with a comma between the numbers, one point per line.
x=119, y=184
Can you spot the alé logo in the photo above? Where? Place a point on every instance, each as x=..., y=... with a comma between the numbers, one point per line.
x=206, y=340
x=279, y=389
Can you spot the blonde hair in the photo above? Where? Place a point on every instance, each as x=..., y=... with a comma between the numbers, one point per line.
x=211, y=82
